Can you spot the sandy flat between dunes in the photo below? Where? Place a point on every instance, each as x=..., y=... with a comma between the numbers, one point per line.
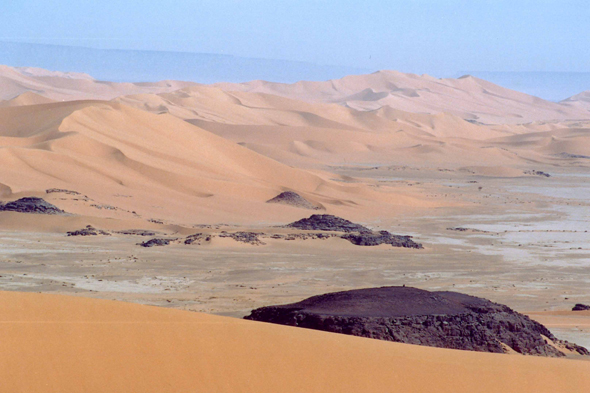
x=55, y=343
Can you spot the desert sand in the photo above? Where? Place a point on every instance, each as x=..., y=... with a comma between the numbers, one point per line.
x=469, y=97
x=56, y=343
x=492, y=182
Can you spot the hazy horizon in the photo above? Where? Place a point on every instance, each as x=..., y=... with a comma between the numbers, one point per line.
x=421, y=36
x=120, y=65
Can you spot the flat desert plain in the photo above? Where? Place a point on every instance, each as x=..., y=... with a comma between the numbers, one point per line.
x=493, y=183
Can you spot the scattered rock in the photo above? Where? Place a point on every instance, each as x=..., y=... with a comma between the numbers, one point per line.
x=463, y=229
x=31, y=205
x=381, y=237
x=136, y=232
x=156, y=242
x=581, y=307
x=327, y=222
x=88, y=231
x=61, y=190
x=244, y=237
x=106, y=207
x=198, y=239
x=303, y=236
x=414, y=316
x=293, y=199
x=537, y=173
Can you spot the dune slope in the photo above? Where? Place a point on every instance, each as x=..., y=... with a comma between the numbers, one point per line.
x=55, y=343
x=154, y=165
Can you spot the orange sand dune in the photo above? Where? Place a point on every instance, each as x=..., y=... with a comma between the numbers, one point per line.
x=305, y=134
x=157, y=166
x=467, y=97
x=54, y=343
x=311, y=134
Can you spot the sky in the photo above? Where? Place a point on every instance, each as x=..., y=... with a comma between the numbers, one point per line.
x=421, y=36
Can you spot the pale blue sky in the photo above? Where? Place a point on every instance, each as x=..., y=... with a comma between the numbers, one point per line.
x=438, y=37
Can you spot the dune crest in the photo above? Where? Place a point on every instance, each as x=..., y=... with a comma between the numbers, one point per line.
x=468, y=97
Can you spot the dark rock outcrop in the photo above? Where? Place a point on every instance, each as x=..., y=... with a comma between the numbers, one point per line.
x=293, y=199
x=136, y=232
x=303, y=236
x=327, y=222
x=88, y=231
x=381, y=237
x=355, y=233
x=537, y=173
x=156, y=242
x=31, y=205
x=414, y=316
x=61, y=190
x=581, y=307
x=197, y=239
x=244, y=237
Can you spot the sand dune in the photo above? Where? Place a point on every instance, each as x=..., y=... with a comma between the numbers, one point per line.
x=155, y=166
x=141, y=152
x=26, y=98
x=66, y=86
x=314, y=134
x=468, y=97
x=579, y=101
x=58, y=343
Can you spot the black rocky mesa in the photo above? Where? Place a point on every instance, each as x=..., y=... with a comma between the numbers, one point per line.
x=355, y=233
x=31, y=205
x=414, y=316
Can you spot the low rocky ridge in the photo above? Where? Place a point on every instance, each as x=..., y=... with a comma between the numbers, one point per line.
x=414, y=316
x=88, y=231
x=31, y=205
x=156, y=242
x=381, y=237
x=244, y=237
x=293, y=199
x=336, y=228
x=355, y=233
x=537, y=173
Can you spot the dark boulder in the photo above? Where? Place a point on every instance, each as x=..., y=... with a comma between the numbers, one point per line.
x=581, y=307
x=414, y=316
